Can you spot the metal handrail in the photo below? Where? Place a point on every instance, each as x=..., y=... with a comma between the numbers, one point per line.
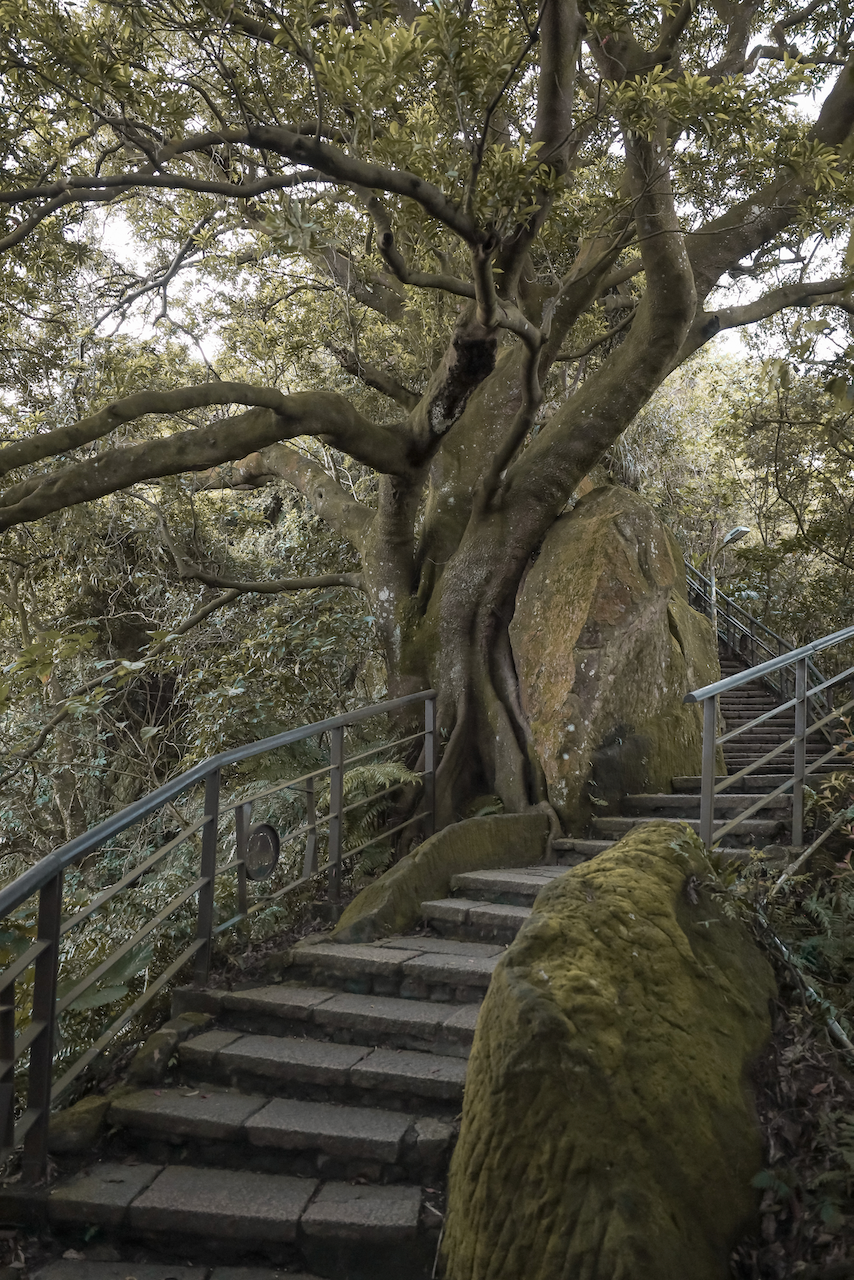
x=46, y=880
x=745, y=635
x=793, y=671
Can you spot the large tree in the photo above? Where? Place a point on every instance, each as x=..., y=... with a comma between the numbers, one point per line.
x=465, y=241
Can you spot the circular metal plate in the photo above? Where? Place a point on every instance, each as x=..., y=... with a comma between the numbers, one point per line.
x=262, y=851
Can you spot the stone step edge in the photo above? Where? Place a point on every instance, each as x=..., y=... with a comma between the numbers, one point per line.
x=347, y=1133
x=232, y=1206
x=327, y=1064
x=318, y=1008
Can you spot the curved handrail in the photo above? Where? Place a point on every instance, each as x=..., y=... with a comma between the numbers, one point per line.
x=12, y=895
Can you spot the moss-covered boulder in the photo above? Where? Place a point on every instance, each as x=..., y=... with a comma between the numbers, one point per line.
x=392, y=904
x=606, y=647
x=608, y=1130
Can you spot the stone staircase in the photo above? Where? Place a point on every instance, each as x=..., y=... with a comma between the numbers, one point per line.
x=310, y=1123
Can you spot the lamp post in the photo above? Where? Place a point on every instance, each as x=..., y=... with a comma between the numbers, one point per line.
x=733, y=536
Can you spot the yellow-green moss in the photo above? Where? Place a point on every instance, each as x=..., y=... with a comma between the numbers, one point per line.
x=608, y=1133
x=606, y=647
x=392, y=904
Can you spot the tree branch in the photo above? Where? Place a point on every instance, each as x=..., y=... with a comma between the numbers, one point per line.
x=328, y=499
x=337, y=165
x=325, y=415
x=353, y=364
x=807, y=293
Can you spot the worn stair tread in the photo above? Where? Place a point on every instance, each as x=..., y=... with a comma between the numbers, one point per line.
x=286, y=1059
x=749, y=826
x=71, y=1269
x=91, y=1269
x=585, y=849
x=334, y=1011
x=222, y=1204
x=353, y=957
x=737, y=801
x=368, y=1213
x=187, y=1113
x=452, y=946
x=476, y=912
x=489, y=884
x=347, y=1133
x=392, y=1015
x=401, y=1070
x=100, y=1196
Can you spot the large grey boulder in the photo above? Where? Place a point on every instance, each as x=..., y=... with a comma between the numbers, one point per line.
x=606, y=647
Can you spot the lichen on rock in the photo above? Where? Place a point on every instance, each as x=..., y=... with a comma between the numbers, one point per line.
x=606, y=646
x=608, y=1130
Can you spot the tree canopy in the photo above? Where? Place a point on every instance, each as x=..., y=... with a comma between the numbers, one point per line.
x=422, y=264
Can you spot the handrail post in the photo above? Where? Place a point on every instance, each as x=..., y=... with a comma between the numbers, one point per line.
x=7, y=1067
x=204, y=928
x=800, y=751
x=34, y=1164
x=430, y=765
x=309, y=866
x=242, y=820
x=707, y=778
x=336, y=806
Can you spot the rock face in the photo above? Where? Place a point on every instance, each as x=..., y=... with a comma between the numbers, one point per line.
x=606, y=647
x=608, y=1133
x=392, y=904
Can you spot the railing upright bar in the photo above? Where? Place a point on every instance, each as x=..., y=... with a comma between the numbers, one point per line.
x=34, y=1165
x=336, y=807
x=430, y=765
x=204, y=929
x=7, y=1068
x=801, y=706
x=309, y=866
x=242, y=818
x=707, y=780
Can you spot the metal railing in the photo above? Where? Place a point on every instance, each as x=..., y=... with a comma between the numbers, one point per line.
x=746, y=636
x=255, y=856
x=797, y=666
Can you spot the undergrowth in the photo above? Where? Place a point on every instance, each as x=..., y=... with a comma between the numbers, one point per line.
x=804, y=1082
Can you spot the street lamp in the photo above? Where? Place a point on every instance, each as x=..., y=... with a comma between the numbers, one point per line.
x=733, y=536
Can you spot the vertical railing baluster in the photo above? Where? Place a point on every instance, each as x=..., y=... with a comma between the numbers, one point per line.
x=309, y=865
x=336, y=806
x=430, y=765
x=34, y=1165
x=707, y=778
x=204, y=927
x=242, y=821
x=800, y=751
x=7, y=1067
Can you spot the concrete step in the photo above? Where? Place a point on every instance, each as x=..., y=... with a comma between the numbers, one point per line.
x=326, y=1014
x=286, y=1135
x=324, y=1071
x=572, y=852
x=86, y=1269
x=404, y=968
x=684, y=806
x=473, y=918
x=515, y=888
x=690, y=785
x=335, y=1228
x=752, y=831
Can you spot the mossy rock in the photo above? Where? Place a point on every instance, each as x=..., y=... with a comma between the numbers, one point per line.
x=608, y=1130
x=76, y=1129
x=392, y=904
x=606, y=646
